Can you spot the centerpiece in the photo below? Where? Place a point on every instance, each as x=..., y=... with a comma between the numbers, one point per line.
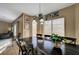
x=57, y=40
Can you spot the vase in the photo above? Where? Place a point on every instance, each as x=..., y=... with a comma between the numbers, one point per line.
x=57, y=48
x=57, y=44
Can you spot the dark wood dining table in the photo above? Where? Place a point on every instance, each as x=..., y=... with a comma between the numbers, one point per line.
x=38, y=50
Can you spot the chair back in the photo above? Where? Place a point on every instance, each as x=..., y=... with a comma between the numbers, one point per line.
x=47, y=37
x=39, y=36
x=21, y=47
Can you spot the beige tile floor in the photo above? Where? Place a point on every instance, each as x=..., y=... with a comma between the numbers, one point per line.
x=13, y=50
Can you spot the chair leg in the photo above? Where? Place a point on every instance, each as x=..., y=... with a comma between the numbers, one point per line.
x=19, y=52
x=22, y=53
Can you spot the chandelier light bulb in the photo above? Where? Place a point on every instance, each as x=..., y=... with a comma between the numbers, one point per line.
x=41, y=21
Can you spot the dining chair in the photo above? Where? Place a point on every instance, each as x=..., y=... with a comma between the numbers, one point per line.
x=22, y=48
x=30, y=49
x=47, y=37
x=40, y=40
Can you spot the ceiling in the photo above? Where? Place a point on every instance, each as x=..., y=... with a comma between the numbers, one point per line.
x=10, y=11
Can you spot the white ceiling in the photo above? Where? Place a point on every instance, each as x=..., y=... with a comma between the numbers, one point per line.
x=10, y=11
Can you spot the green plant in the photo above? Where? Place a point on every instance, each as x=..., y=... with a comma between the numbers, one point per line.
x=56, y=38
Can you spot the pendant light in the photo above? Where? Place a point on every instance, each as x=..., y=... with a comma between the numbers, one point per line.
x=40, y=15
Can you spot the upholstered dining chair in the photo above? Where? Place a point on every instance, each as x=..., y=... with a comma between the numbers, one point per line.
x=40, y=40
x=22, y=48
x=47, y=37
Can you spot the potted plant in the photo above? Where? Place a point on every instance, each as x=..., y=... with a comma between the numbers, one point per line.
x=56, y=40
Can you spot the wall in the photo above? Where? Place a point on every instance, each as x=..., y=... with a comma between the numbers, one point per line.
x=39, y=28
x=27, y=26
x=4, y=26
x=69, y=15
x=20, y=26
x=77, y=22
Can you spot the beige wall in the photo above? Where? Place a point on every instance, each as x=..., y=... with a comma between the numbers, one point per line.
x=77, y=22
x=20, y=26
x=69, y=15
x=4, y=26
x=39, y=28
x=25, y=33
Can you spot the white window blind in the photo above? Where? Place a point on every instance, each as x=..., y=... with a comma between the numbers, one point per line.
x=55, y=26
x=47, y=27
x=58, y=26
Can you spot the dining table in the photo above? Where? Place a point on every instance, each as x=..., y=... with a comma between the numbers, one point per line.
x=42, y=49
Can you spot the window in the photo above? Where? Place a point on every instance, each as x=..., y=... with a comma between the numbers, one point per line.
x=58, y=26
x=14, y=29
x=55, y=26
x=47, y=27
